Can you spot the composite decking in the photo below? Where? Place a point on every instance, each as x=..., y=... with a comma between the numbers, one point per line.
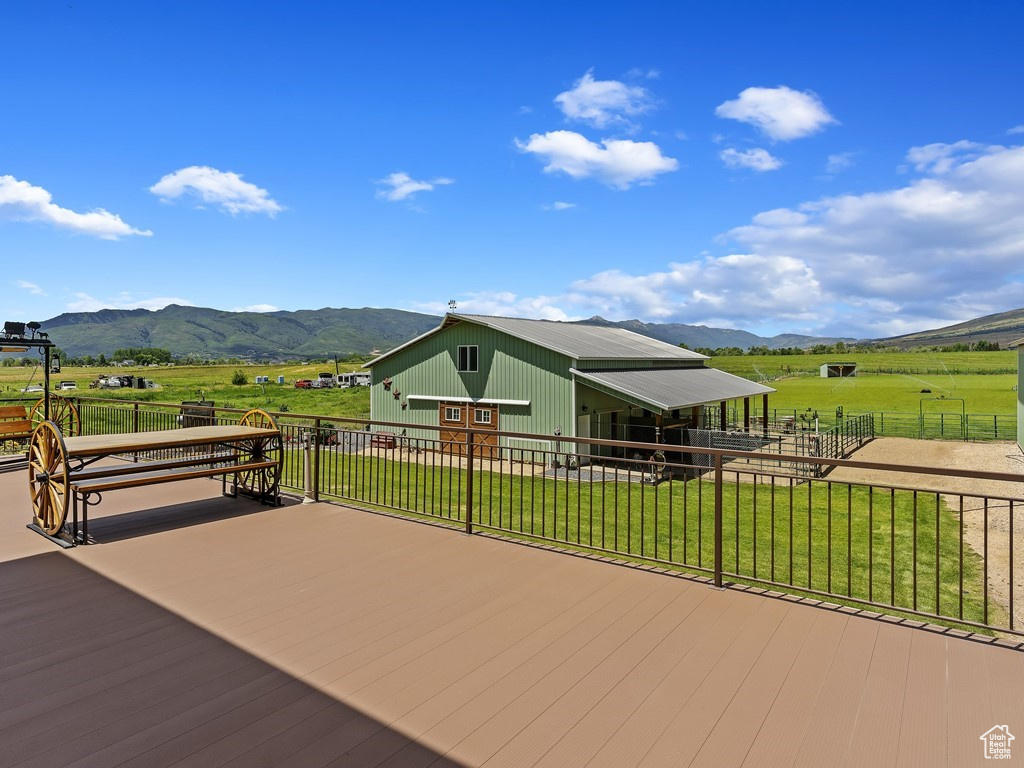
x=204, y=631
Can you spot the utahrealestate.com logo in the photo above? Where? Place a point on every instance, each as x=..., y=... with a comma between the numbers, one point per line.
x=997, y=742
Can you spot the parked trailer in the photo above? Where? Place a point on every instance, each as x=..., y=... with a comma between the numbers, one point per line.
x=353, y=379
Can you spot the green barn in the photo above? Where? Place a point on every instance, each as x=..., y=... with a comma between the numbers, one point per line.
x=551, y=379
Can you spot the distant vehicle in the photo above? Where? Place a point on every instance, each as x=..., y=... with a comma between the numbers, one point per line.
x=64, y=385
x=304, y=384
x=32, y=388
x=324, y=381
x=353, y=379
x=106, y=382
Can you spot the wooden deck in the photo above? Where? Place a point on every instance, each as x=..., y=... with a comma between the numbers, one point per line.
x=208, y=632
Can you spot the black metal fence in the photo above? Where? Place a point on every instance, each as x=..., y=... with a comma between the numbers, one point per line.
x=934, y=543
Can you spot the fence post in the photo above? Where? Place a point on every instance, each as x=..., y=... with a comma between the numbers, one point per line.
x=316, y=460
x=135, y=428
x=469, y=482
x=307, y=472
x=718, y=520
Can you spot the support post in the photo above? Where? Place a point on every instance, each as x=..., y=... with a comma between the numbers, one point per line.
x=469, y=482
x=746, y=414
x=316, y=460
x=722, y=424
x=764, y=411
x=46, y=383
x=307, y=472
x=718, y=520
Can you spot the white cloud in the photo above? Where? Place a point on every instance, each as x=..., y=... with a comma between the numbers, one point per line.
x=604, y=103
x=1016, y=129
x=221, y=188
x=947, y=247
x=85, y=303
x=21, y=201
x=32, y=288
x=944, y=248
x=840, y=162
x=502, y=304
x=730, y=291
x=618, y=163
x=558, y=205
x=781, y=114
x=941, y=158
x=755, y=159
x=403, y=187
x=257, y=308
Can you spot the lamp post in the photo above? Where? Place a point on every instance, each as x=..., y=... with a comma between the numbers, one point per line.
x=14, y=338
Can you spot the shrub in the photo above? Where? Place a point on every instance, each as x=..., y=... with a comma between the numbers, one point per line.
x=239, y=378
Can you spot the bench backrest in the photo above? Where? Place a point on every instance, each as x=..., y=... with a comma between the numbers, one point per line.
x=14, y=421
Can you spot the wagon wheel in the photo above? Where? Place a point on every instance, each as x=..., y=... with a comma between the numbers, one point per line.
x=260, y=482
x=659, y=461
x=48, y=481
x=63, y=413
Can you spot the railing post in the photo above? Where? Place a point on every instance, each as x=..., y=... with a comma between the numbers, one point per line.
x=718, y=520
x=135, y=428
x=469, y=482
x=316, y=460
x=307, y=472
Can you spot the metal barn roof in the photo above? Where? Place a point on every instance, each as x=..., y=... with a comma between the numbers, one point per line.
x=667, y=389
x=578, y=341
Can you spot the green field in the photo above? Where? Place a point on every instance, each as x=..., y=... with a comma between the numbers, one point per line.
x=210, y=382
x=888, y=381
x=913, y=363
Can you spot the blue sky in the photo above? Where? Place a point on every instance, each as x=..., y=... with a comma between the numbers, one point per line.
x=831, y=168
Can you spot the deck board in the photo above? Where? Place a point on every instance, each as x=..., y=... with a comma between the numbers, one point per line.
x=202, y=631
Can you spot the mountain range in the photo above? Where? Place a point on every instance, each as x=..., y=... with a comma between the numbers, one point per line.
x=326, y=332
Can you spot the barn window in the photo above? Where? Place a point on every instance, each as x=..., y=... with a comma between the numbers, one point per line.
x=452, y=414
x=482, y=416
x=468, y=358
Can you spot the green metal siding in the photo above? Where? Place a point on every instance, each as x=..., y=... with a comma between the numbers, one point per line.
x=509, y=369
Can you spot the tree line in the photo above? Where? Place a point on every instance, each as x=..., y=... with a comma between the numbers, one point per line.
x=842, y=348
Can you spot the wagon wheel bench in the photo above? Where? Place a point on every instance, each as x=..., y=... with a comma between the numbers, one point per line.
x=63, y=471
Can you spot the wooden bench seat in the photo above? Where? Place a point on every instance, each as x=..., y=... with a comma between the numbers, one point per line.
x=14, y=423
x=128, y=468
x=98, y=480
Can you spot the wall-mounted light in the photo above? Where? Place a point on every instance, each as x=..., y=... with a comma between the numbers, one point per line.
x=584, y=409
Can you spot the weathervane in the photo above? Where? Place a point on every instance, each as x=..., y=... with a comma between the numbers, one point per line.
x=451, y=305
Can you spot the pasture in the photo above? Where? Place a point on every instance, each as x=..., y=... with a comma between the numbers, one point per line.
x=887, y=381
x=212, y=382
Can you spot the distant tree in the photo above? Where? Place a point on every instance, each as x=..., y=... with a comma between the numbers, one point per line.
x=102, y=359
x=238, y=378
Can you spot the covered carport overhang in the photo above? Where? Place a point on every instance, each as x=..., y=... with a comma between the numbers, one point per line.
x=663, y=390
